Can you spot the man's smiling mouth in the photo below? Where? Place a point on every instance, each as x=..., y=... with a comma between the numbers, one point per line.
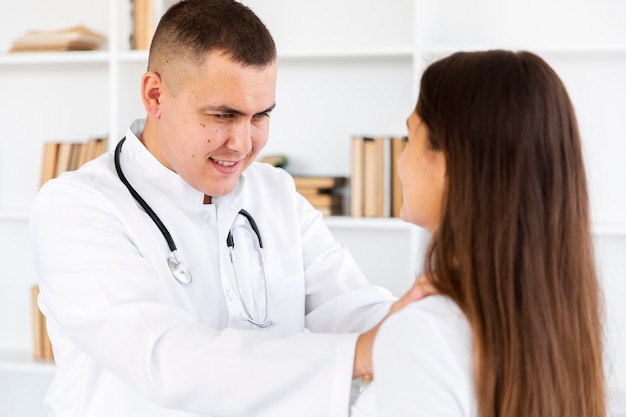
x=224, y=163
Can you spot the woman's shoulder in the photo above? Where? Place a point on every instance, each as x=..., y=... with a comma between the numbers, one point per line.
x=422, y=361
x=434, y=325
x=434, y=310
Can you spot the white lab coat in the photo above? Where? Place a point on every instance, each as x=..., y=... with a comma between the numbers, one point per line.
x=131, y=341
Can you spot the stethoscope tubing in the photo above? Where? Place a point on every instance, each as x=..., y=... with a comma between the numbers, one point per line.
x=177, y=267
x=166, y=233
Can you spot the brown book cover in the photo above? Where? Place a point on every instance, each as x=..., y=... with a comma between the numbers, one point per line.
x=49, y=164
x=101, y=147
x=331, y=211
x=75, y=156
x=42, y=348
x=357, y=177
x=143, y=23
x=59, y=157
x=397, y=145
x=383, y=179
x=75, y=38
x=38, y=325
x=318, y=183
x=64, y=156
x=374, y=177
x=325, y=200
x=47, y=345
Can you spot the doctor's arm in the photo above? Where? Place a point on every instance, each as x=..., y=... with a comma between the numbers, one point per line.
x=108, y=310
x=339, y=298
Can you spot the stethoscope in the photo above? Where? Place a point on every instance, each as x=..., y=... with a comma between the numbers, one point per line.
x=178, y=268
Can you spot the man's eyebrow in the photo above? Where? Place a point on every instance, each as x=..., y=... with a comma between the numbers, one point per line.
x=228, y=109
x=220, y=109
x=269, y=109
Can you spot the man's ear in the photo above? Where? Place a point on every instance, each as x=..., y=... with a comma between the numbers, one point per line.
x=151, y=89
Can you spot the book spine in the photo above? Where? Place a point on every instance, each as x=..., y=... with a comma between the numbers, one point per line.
x=375, y=189
x=357, y=177
x=383, y=157
x=397, y=146
x=48, y=169
x=38, y=325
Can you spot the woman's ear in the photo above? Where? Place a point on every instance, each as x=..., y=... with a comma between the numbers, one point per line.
x=151, y=89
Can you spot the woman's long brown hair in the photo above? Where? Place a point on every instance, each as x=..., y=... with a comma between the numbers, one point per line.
x=514, y=247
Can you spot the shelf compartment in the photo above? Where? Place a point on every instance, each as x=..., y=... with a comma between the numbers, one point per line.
x=23, y=361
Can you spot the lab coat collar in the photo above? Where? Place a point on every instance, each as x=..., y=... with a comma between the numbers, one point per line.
x=144, y=167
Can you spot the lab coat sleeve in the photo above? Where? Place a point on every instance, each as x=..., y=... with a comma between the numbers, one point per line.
x=107, y=310
x=339, y=297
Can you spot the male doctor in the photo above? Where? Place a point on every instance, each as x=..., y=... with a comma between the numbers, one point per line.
x=180, y=278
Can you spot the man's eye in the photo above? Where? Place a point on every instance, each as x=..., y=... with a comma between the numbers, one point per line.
x=262, y=115
x=224, y=116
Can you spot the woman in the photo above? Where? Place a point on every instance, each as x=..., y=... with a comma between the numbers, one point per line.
x=494, y=171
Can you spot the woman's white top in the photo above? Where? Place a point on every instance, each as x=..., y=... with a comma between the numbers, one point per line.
x=422, y=363
x=129, y=340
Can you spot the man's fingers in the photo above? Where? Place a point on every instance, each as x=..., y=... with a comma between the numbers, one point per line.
x=421, y=288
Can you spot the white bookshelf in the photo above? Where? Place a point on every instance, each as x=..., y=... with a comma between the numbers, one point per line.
x=23, y=361
x=345, y=67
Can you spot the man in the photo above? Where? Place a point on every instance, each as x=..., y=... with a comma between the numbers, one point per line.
x=178, y=277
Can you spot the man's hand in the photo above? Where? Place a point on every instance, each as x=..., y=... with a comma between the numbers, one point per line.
x=363, y=352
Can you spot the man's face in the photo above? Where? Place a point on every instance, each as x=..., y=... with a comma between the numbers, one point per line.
x=212, y=121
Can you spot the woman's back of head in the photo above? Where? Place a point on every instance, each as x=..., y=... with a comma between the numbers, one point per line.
x=513, y=248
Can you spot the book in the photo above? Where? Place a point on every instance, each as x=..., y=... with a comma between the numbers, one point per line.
x=398, y=144
x=375, y=177
x=375, y=188
x=370, y=178
x=325, y=193
x=279, y=161
x=319, y=183
x=143, y=23
x=38, y=324
x=76, y=38
x=356, y=178
x=385, y=168
x=325, y=200
x=100, y=147
x=48, y=170
x=42, y=348
x=75, y=156
x=62, y=156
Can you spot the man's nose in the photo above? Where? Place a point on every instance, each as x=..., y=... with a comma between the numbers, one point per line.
x=240, y=139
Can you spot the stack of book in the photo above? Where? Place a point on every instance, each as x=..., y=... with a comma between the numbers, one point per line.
x=325, y=193
x=375, y=189
x=77, y=38
x=59, y=157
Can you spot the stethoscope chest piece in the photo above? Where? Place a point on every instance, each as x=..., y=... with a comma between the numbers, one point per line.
x=179, y=271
